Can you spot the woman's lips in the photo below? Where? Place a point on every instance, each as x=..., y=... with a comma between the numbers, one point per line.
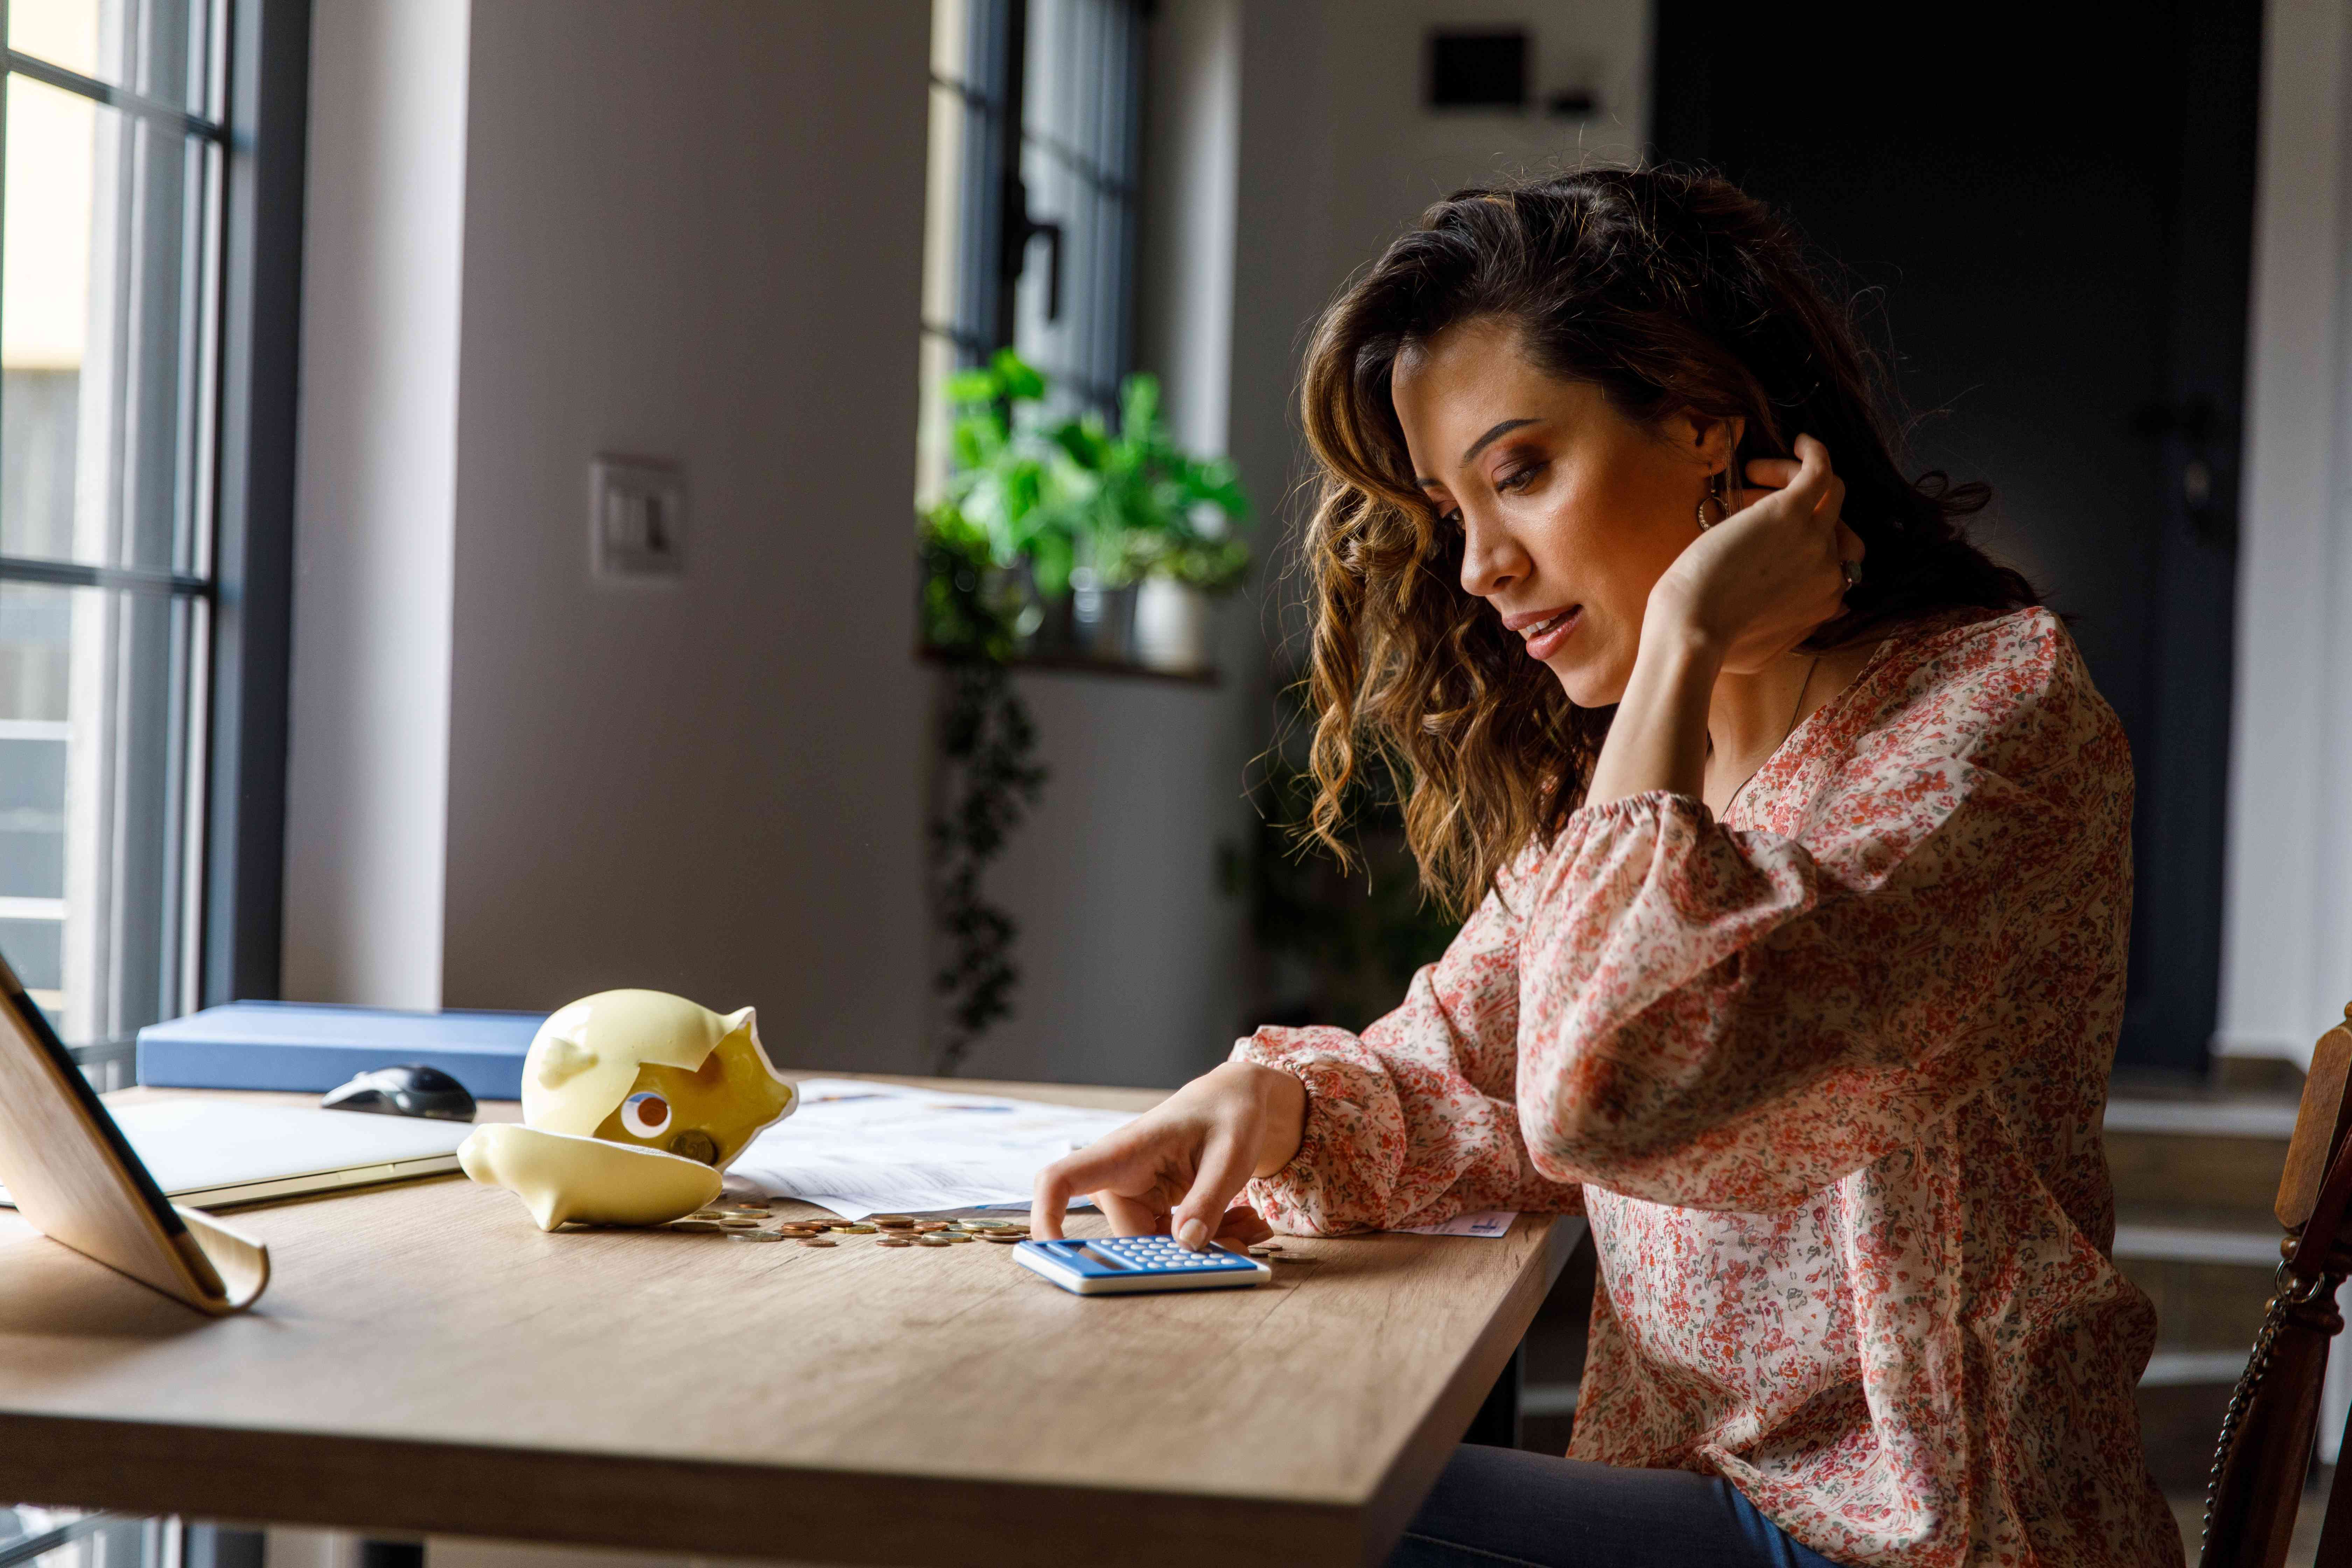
x=1546, y=638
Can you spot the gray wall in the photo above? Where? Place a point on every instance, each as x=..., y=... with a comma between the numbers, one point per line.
x=691, y=231
x=695, y=232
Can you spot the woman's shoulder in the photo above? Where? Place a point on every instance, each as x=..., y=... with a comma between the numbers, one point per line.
x=2007, y=689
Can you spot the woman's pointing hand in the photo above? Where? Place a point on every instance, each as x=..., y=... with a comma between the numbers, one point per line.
x=1176, y=1169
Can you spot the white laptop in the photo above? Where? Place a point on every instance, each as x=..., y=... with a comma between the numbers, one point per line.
x=206, y=1153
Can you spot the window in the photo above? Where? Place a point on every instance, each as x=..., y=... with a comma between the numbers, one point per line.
x=1031, y=217
x=111, y=224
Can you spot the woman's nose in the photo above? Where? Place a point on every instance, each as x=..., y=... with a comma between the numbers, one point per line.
x=1491, y=558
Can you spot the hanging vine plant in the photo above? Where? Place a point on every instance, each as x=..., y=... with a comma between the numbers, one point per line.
x=972, y=610
x=989, y=779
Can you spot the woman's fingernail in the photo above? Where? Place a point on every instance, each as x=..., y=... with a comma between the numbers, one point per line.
x=1193, y=1234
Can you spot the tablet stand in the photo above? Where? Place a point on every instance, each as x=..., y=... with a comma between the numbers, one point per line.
x=76, y=1179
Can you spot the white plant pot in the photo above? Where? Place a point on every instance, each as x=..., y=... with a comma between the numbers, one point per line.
x=1171, y=626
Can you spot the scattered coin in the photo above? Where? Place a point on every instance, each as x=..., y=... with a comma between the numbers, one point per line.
x=693, y=1225
x=817, y=1241
x=998, y=1236
x=894, y=1241
x=958, y=1236
x=891, y=1218
x=754, y=1236
x=930, y=1241
x=739, y=1224
x=855, y=1229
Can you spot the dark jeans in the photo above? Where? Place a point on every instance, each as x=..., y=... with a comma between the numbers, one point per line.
x=1500, y=1508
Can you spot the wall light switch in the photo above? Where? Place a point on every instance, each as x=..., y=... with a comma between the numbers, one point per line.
x=636, y=520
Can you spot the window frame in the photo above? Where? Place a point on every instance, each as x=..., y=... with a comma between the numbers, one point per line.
x=245, y=423
x=997, y=228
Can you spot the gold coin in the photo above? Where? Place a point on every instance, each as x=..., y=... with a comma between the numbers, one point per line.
x=696, y=1144
x=817, y=1241
x=930, y=1241
x=754, y=1236
x=739, y=1224
x=958, y=1236
x=894, y=1241
x=855, y=1229
x=1006, y=1241
x=702, y=1224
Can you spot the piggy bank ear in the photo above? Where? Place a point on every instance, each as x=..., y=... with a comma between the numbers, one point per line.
x=566, y=1059
x=744, y=1018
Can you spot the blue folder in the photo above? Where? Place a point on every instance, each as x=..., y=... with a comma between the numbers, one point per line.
x=311, y=1047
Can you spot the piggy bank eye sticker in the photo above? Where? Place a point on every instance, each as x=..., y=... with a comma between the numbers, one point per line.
x=645, y=1115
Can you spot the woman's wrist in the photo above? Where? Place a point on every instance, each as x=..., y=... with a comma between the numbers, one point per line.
x=1280, y=1099
x=1674, y=634
x=1658, y=739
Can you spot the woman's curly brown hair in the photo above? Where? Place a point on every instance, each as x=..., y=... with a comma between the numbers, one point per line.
x=1669, y=290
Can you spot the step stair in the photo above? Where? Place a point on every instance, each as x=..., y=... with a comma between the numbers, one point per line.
x=2196, y=1175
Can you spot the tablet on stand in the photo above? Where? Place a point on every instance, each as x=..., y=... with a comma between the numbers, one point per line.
x=75, y=1180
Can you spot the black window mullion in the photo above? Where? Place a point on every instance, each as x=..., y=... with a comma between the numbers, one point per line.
x=114, y=97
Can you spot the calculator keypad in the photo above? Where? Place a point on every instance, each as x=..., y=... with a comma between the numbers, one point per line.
x=1161, y=1252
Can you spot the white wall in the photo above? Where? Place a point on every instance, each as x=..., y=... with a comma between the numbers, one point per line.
x=691, y=231
x=2286, y=970
x=367, y=769
x=1286, y=145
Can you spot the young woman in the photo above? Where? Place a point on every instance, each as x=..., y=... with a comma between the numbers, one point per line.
x=1798, y=839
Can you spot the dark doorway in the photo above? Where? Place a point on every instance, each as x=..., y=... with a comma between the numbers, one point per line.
x=2054, y=228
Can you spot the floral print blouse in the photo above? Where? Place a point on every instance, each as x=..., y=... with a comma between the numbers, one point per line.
x=1826, y=1079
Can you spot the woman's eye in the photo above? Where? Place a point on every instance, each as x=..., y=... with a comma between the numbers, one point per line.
x=1517, y=479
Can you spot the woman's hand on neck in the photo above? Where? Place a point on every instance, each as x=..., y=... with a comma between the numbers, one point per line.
x=1716, y=684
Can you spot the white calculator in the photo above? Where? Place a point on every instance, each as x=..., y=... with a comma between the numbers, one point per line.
x=1122, y=1265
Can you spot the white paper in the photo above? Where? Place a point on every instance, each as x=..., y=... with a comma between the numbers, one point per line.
x=860, y=1147
x=1492, y=1224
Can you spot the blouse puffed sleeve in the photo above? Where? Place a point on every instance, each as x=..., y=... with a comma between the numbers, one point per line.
x=1413, y=1121
x=1732, y=1019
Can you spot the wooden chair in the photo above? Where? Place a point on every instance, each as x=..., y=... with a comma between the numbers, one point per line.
x=2265, y=1453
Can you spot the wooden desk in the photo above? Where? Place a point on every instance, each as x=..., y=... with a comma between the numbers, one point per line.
x=425, y=1360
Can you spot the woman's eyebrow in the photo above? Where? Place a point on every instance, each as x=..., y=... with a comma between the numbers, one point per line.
x=1505, y=428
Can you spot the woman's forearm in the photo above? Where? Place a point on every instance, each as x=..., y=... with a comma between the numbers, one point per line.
x=1658, y=739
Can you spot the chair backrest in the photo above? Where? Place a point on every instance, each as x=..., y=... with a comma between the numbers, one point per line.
x=2265, y=1453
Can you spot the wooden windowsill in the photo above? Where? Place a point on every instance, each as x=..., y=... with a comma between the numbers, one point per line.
x=1077, y=664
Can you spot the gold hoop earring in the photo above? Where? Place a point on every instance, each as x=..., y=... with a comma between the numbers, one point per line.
x=1719, y=494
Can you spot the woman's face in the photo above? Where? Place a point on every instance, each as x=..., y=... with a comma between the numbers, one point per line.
x=1568, y=511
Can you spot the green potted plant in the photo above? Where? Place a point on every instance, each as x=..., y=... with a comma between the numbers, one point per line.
x=1159, y=527
x=1062, y=526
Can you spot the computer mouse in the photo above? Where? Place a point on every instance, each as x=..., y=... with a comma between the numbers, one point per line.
x=413, y=1089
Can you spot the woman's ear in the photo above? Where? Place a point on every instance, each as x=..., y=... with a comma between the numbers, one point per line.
x=1707, y=439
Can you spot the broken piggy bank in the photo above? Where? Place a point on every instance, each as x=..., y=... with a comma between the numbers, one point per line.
x=633, y=1104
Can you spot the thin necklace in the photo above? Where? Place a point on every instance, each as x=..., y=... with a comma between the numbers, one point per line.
x=1796, y=714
